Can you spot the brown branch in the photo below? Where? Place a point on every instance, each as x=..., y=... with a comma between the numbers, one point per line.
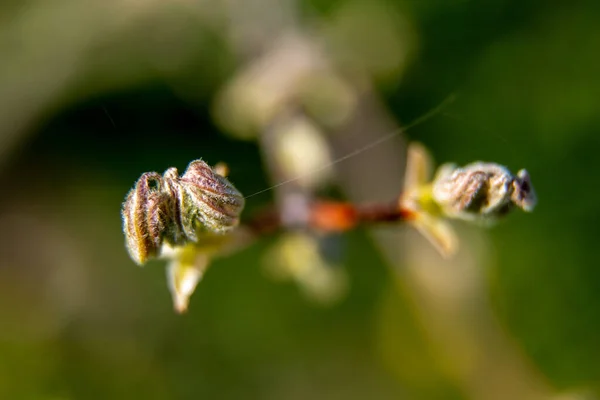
x=333, y=216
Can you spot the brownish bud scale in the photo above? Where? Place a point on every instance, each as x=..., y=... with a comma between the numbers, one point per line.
x=145, y=217
x=482, y=191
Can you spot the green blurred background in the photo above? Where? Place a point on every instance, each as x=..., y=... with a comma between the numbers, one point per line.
x=94, y=93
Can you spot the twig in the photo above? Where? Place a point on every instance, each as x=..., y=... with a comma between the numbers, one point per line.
x=330, y=216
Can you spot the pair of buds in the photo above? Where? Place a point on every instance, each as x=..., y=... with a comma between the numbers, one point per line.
x=174, y=210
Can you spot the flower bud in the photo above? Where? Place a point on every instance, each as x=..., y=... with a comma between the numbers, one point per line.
x=208, y=199
x=481, y=191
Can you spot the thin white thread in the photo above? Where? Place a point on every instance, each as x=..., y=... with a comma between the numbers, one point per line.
x=423, y=118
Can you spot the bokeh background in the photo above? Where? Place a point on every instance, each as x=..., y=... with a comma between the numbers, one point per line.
x=93, y=93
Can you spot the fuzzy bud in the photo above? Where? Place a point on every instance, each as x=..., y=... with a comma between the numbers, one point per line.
x=481, y=191
x=145, y=217
x=209, y=198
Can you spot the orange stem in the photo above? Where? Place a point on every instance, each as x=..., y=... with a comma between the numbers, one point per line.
x=336, y=216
